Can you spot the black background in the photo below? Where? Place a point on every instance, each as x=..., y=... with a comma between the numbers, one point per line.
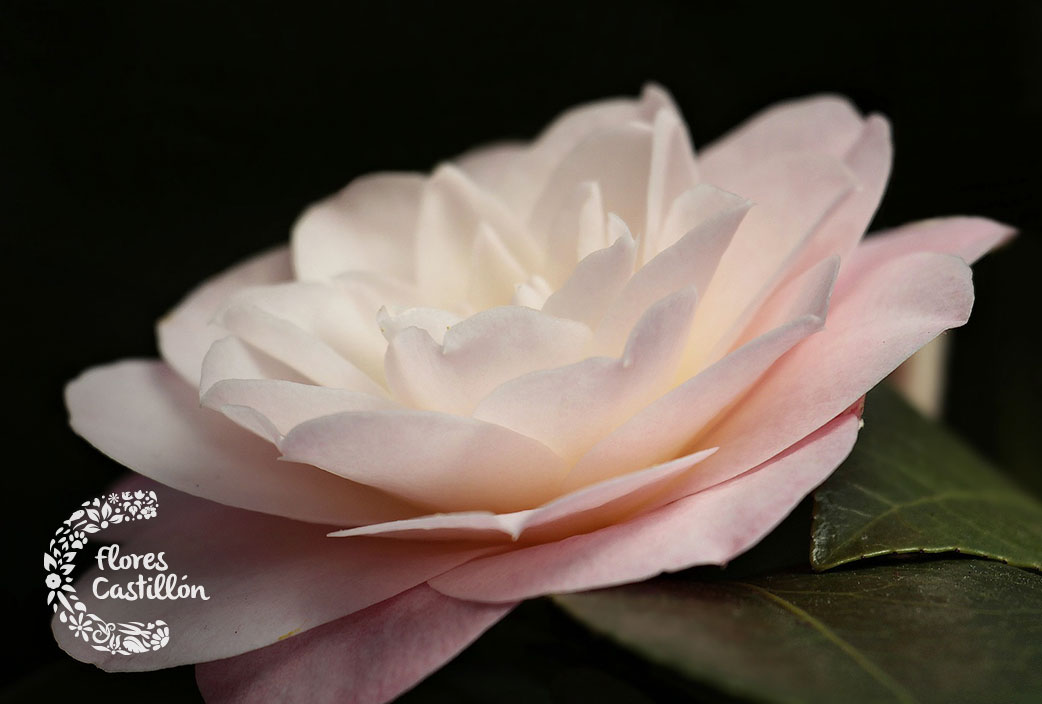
x=148, y=145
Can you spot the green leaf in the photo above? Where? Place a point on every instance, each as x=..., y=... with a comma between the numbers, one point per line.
x=943, y=631
x=912, y=486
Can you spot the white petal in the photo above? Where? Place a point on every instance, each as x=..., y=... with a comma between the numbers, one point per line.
x=286, y=404
x=670, y=424
x=672, y=170
x=296, y=348
x=689, y=262
x=452, y=209
x=527, y=177
x=434, y=321
x=869, y=159
x=495, y=272
x=619, y=160
x=571, y=408
x=826, y=124
x=369, y=225
x=578, y=230
x=596, y=280
x=186, y=332
x=141, y=414
x=578, y=512
x=441, y=461
x=479, y=354
x=328, y=313
x=691, y=208
x=794, y=193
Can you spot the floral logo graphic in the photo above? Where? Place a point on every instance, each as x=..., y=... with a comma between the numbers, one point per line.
x=70, y=539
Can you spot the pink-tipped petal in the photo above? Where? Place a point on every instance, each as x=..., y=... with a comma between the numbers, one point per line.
x=368, y=225
x=710, y=527
x=968, y=238
x=142, y=415
x=806, y=294
x=793, y=193
x=186, y=333
x=672, y=422
x=446, y=462
x=827, y=124
x=896, y=309
x=266, y=578
x=369, y=657
x=578, y=512
x=869, y=159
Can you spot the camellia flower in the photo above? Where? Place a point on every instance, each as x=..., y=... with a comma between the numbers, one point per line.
x=542, y=368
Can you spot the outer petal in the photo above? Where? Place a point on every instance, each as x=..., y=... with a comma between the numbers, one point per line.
x=794, y=193
x=869, y=159
x=266, y=578
x=369, y=657
x=892, y=312
x=968, y=238
x=186, y=332
x=578, y=512
x=369, y=225
x=672, y=422
x=710, y=527
x=443, y=461
x=825, y=123
x=140, y=414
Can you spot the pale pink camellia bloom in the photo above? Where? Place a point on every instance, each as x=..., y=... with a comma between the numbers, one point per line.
x=542, y=368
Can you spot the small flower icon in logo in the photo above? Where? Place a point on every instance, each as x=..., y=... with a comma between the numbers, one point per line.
x=56, y=585
x=80, y=626
x=160, y=637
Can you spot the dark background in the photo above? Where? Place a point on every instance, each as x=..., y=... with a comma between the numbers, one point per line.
x=148, y=145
